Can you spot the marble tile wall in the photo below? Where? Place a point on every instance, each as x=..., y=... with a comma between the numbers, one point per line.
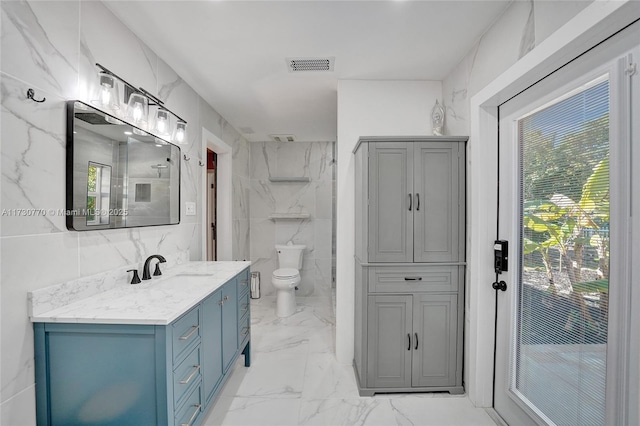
x=298, y=159
x=523, y=25
x=52, y=47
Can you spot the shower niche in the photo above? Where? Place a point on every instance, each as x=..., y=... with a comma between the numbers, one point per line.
x=118, y=176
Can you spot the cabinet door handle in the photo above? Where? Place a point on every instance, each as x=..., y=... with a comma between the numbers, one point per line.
x=413, y=278
x=226, y=298
x=410, y=202
x=188, y=335
x=416, y=334
x=221, y=303
x=418, y=201
x=193, y=373
x=193, y=416
x=409, y=339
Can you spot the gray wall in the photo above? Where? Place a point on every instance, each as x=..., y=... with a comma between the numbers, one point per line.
x=298, y=159
x=52, y=47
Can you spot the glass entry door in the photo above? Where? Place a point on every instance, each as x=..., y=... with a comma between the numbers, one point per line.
x=559, y=153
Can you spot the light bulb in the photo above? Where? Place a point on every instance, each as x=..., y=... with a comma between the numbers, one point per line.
x=137, y=112
x=162, y=121
x=106, y=95
x=180, y=134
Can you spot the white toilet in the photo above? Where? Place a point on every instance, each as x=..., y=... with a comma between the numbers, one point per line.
x=287, y=277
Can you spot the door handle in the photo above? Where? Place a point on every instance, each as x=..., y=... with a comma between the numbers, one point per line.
x=418, y=201
x=409, y=339
x=410, y=202
x=416, y=334
x=413, y=278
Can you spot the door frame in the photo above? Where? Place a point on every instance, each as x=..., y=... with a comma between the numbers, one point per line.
x=594, y=24
x=224, y=202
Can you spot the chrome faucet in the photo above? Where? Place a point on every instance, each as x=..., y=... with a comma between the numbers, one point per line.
x=146, y=275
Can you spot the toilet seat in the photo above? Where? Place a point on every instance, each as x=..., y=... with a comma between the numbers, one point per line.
x=286, y=273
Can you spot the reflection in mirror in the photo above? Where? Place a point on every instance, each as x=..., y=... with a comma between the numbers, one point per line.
x=98, y=194
x=118, y=176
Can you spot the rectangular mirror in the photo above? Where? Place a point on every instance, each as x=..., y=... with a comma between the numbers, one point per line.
x=118, y=176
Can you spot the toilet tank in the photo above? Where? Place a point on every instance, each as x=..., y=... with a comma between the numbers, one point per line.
x=290, y=255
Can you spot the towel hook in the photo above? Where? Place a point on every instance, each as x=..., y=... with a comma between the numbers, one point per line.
x=200, y=163
x=186, y=158
x=30, y=95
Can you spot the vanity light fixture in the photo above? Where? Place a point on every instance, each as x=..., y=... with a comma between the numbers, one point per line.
x=137, y=112
x=162, y=121
x=180, y=133
x=138, y=109
x=108, y=92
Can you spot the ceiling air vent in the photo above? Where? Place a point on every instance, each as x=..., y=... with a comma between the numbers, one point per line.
x=310, y=64
x=283, y=138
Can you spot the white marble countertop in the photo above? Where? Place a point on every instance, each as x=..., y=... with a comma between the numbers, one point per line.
x=158, y=301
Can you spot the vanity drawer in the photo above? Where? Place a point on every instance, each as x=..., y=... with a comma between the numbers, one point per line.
x=244, y=304
x=191, y=411
x=244, y=329
x=186, y=374
x=243, y=282
x=186, y=331
x=393, y=279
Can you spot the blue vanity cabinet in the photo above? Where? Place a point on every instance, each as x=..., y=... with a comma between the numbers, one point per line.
x=120, y=374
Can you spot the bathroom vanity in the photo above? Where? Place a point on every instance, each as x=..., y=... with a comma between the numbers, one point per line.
x=155, y=353
x=409, y=264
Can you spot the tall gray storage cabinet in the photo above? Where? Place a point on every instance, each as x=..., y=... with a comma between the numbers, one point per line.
x=409, y=263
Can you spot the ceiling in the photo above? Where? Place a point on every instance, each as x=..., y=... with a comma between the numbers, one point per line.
x=233, y=53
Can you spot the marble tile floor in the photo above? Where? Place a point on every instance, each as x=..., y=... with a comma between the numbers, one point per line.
x=294, y=379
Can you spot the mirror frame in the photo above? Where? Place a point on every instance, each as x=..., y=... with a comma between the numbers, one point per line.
x=69, y=187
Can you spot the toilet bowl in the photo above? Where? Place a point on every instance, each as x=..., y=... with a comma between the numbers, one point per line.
x=287, y=277
x=285, y=280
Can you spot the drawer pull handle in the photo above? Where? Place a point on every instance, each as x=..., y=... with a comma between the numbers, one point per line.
x=413, y=278
x=246, y=331
x=244, y=282
x=245, y=307
x=190, y=333
x=193, y=373
x=193, y=416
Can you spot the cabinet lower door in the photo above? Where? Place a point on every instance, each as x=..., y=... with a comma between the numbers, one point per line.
x=434, y=339
x=211, y=347
x=390, y=341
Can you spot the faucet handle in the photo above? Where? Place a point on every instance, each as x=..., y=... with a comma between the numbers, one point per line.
x=136, y=278
x=157, y=271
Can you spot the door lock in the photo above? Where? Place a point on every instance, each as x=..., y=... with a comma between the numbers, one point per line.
x=499, y=285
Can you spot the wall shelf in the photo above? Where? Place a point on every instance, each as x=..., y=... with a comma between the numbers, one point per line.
x=284, y=216
x=289, y=179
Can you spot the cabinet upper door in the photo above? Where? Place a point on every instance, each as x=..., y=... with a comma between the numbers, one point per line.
x=391, y=202
x=438, y=202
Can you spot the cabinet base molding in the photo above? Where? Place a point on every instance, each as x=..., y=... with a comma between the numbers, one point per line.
x=365, y=391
